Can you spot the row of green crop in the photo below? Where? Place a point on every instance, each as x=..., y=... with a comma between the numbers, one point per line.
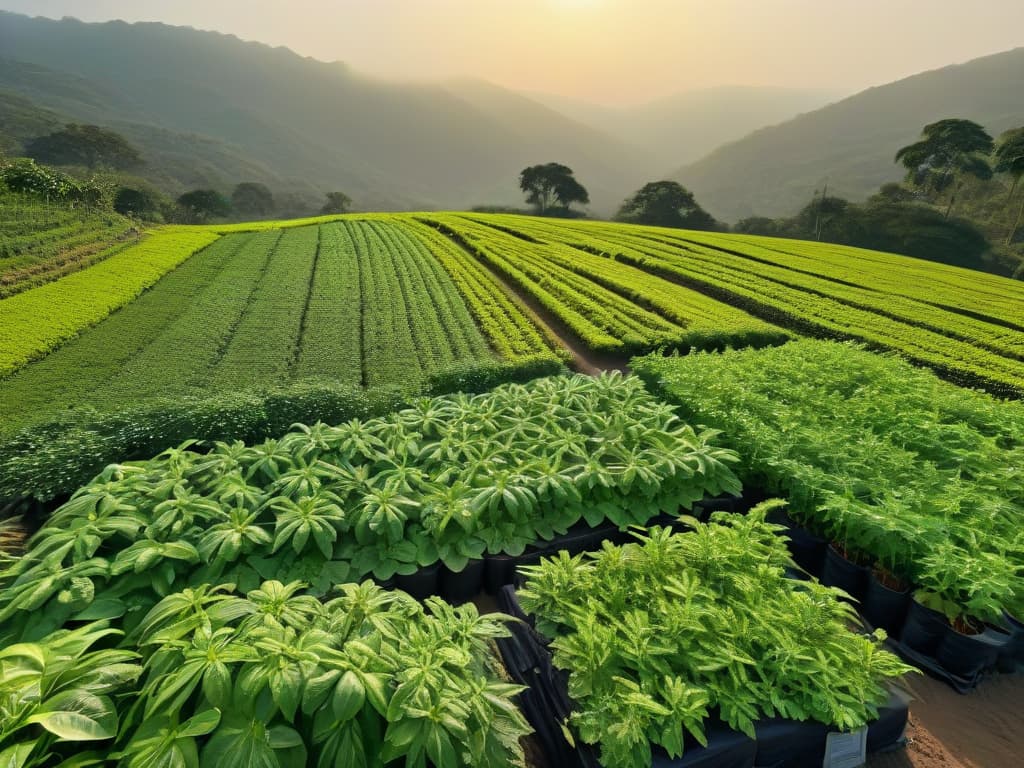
x=709, y=324
x=81, y=370
x=332, y=338
x=36, y=273
x=445, y=480
x=414, y=320
x=602, y=319
x=904, y=471
x=812, y=313
x=658, y=635
x=263, y=309
x=942, y=284
x=29, y=325
x=441, y=323
x=618, y=314
x=182, y=355
x=1006, y=342
x=53, y=458
x=505, y=324
x=389, y=349
x=265, y=339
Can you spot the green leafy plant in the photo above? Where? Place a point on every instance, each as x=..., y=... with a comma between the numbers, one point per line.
x=656, y=633
x=902, y=470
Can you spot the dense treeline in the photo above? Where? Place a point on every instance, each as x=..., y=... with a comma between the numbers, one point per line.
x=960, y=203
x=90, y=166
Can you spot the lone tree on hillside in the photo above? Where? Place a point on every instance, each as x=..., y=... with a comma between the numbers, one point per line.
x=337, y=202
x=142, y=202
x=253, y=199
x=665, y=204
x=547, y=184
x=1009, y=157
x=87, y=145
x=201, y=205
x=948, y=149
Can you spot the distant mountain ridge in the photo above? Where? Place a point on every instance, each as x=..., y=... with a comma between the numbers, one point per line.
x=850, y=144
x=686, y=126
x=268, y=114
x=388, y=145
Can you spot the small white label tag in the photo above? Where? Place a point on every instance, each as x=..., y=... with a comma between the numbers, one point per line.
x=846, y=750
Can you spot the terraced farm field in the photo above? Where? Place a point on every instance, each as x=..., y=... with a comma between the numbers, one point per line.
x=41, y=243
x=392, y=298
x=356, y=302
x=969, y=326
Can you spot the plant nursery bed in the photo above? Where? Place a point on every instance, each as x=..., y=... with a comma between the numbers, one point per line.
x=695, y=649
x=918, y=634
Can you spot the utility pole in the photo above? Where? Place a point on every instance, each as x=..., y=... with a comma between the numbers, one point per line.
x=817, y=218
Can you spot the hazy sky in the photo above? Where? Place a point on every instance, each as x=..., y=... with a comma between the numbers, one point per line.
x=612, y=51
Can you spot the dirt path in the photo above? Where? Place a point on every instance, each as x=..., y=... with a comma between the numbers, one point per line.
x=584, y=359
x=984, y=729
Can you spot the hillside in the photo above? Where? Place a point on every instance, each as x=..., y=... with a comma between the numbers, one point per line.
x=851, y=144
x=175, y=162
x=386, y=144
x=686, y=126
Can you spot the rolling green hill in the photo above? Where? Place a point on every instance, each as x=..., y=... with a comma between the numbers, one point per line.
x=175, y=162
x=774, y=171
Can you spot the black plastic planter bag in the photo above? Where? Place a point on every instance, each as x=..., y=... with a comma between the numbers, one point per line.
x=458, y=587
x=884, y=607
x=1012, y=654
x=837, y=571
x=967, y=656
x=421, y=584
x=923, y=629
x=806, y=549
x=790, y=743
x=726, y=749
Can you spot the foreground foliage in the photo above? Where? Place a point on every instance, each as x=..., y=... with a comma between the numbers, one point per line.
x=904, y=471
x=273, y=678
x=448, y=479
x=658, y=633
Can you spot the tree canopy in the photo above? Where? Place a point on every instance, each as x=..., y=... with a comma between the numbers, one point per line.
x=947, y=147
x=665, y=204
x=551, y=183
x=337, y=202
x=201, y=205
x=253, y=199
x=143, y=202
x=87, y=145
x=883, y=223
x=1009, y=155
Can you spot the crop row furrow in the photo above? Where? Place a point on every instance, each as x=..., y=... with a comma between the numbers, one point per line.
x=510, y=332
x=331, y=344
x=262, y=346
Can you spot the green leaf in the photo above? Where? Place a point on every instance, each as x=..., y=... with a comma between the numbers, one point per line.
x=376, y=686
x=16, y=756
x=201, y=724
x=78, y=715
x=349, y=696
